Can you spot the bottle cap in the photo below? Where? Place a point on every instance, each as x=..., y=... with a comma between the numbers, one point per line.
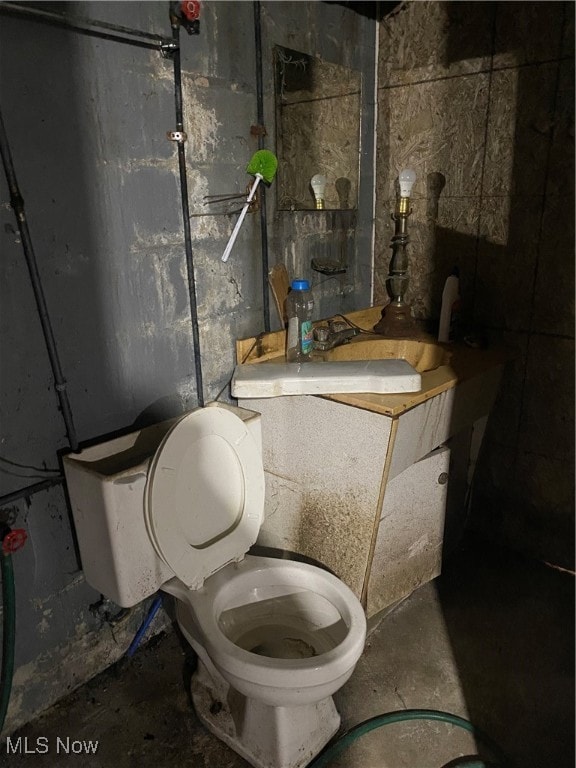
x=300, y=285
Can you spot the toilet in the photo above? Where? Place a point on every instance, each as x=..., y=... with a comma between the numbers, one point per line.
x=176, y=506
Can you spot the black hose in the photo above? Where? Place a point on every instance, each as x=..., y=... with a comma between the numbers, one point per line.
x=8, y=633
x=17, y=204
x=174, y=21
x=8, y=615
x=261, y=133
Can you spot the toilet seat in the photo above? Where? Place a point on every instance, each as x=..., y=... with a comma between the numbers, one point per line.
x=204, y=496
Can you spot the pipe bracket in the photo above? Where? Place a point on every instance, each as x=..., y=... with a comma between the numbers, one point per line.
x=179, y=136
x=168, y=49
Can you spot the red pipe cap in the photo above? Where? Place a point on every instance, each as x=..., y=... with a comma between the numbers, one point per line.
x=14, y=541
x=190, y=9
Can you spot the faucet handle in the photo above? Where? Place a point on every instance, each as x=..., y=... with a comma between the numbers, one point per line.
x=321, y=333
x=338, y=325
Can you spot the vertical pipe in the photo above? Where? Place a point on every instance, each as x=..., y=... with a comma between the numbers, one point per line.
x=263, y=217
x=175, y=23
x=17, y=203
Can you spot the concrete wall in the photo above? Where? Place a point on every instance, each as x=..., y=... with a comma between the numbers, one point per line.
x=87, y=120
x=479, y=99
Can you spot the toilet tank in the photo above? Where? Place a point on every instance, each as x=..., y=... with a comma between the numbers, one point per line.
x=106, y=485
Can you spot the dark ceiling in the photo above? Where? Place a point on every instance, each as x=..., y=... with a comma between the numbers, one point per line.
x=372, y=10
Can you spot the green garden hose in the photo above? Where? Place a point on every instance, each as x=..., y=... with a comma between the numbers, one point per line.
x=329, y=754
x=10, y=541
x=8, y=633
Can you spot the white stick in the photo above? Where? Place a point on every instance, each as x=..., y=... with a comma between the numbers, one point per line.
x=243, y=213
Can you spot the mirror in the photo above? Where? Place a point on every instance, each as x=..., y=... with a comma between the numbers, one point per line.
x=317, y=130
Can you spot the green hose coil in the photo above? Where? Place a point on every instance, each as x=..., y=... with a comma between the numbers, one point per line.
x=329, y=754
x=8, y=634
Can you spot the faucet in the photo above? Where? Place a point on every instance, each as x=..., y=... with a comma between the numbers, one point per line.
x=333, y=335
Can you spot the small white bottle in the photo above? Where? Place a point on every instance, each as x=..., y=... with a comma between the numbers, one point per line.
x=299, y=308
x=450, y=307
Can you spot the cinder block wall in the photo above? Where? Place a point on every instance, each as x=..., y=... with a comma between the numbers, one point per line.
x=479, y=99
x=87, y=119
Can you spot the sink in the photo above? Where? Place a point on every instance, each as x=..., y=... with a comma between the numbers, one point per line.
x=421, y=354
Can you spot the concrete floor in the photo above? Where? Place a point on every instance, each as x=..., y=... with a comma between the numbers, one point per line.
x=491, y=640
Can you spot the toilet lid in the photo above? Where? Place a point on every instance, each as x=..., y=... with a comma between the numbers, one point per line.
x=204, y=499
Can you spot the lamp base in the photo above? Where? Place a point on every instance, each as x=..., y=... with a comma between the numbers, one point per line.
x=396, y=321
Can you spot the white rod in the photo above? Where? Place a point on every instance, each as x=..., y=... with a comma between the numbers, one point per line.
x=243, y=213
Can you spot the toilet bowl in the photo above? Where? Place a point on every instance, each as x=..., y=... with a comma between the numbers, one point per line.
x=176, y=507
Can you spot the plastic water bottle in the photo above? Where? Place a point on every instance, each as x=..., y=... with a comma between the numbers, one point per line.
x=299, y=308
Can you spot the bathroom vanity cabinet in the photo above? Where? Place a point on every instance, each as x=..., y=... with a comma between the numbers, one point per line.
x=375, y=486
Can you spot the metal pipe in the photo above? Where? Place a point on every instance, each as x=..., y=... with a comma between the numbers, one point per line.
x=17, y=204
x=88, y=26
x=261, y=133
x=175, y=22
x=24, y=493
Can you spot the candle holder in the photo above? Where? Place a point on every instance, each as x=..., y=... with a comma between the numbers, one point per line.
x=396, y=319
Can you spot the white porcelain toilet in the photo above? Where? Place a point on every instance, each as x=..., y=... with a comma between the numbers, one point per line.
x=176, y=506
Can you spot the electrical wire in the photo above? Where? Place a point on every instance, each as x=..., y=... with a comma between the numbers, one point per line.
x=4, y=460
x=23, y=475
x=26, y=470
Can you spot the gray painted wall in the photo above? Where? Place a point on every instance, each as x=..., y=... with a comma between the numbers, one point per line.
x=87, y=121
